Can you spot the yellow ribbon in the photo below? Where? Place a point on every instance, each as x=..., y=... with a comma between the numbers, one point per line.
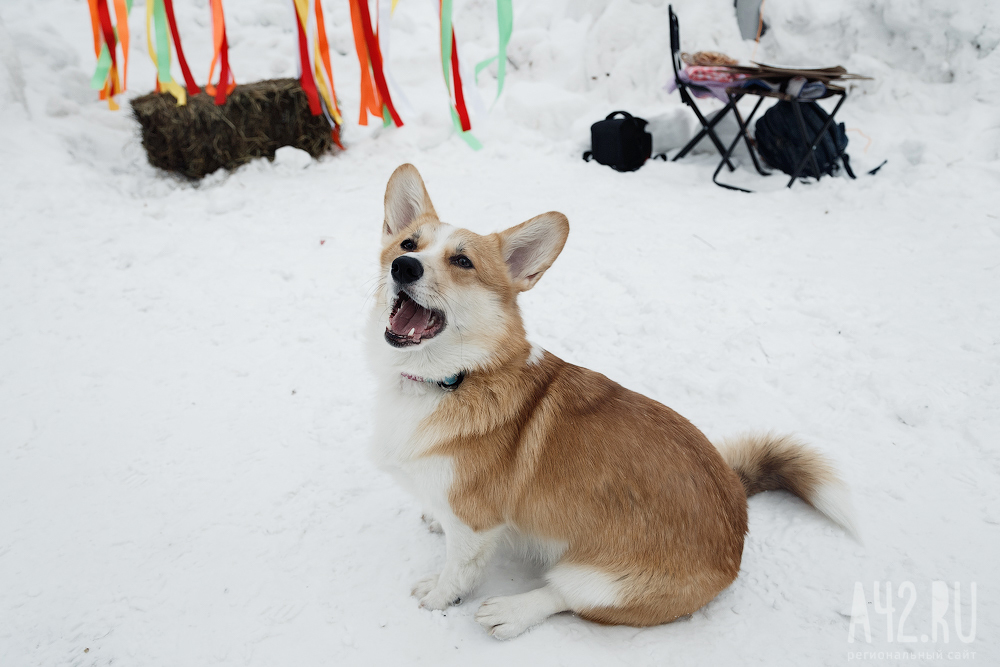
x=171, y=86
x=323, y=90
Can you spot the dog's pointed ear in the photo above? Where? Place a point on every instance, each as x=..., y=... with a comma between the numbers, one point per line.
x=406, y=199
x=530, y=248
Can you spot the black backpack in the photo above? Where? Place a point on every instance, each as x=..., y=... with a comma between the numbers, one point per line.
x=779, y=140
x=620, y=143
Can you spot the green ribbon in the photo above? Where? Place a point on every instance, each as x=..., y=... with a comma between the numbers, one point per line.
x=162, y=42
x=446, y=30
x=467, y=137
x=104, y=60
x=103, y=67
x=505, y=21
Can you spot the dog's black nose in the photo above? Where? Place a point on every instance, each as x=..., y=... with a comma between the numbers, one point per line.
x=406, y=270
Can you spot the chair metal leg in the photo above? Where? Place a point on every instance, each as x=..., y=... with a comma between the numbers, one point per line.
x=810, y=154
x=746, y=135
x=810, y=151
x=741, y=134
x=707, y=128
x=720, y=147
x=725, y=157
x=691, y=144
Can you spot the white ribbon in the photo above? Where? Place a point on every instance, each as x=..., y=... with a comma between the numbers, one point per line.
x=384, y=41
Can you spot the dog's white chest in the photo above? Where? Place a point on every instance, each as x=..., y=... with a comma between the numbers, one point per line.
x=402, y=439
x=401, y=409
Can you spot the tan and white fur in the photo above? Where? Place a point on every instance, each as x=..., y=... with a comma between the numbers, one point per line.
x=638, y=517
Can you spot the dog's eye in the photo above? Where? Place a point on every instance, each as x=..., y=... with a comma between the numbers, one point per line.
x=409, y=245
x=462, y=261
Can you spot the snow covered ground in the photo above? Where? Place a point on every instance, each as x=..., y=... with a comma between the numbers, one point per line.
x=185, y=406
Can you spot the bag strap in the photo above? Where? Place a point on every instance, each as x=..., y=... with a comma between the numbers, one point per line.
x=875, y=170
x=611, y=115
x=587, y=155
x=847, y=164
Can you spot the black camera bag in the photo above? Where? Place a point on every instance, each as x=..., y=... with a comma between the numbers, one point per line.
x=620, y=143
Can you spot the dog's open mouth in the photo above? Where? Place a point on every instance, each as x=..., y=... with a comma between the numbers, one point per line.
x=410, y=323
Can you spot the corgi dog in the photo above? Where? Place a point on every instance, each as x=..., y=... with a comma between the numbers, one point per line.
x=637, y=517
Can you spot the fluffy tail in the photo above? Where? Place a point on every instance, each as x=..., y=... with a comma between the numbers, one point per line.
x=768, y=462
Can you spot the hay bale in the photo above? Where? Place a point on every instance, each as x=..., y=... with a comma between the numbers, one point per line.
x=256, y=120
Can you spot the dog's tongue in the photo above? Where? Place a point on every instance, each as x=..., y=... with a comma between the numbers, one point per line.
x=410, y=316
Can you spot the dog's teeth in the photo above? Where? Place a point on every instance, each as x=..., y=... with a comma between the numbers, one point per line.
x=411, y=331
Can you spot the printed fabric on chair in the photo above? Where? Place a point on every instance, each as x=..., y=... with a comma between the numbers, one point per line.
x=702, y=81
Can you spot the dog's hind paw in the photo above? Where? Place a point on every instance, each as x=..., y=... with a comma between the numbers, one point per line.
x=503, y=618
x=433, y=525
x=508, y=616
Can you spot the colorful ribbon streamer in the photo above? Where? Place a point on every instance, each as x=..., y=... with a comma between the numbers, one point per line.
x=221, y=52
x=106, y=40
x=156, y=24
x=505, y=22
x=383, y=32
x=449, y=61
x=316, y=68
x=318, y=88
x=322, y=53
x=192, y=87
x=307, y=79
x=370, y=102
x=122, y=9
x=375, y=96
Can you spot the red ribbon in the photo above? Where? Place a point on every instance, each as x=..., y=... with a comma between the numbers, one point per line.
x=220, y=43
x=220, y=91
x=193, y=89
x=308, y=82
x=376, y=58
x=463, y=112
x=109, y=36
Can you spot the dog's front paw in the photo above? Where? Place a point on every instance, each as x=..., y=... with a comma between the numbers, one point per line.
x=433, y=596
x=440, y=598
x=424, y=586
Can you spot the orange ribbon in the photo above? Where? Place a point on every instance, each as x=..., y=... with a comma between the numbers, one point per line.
x=323, y=46
x=221, y=50
x=370, y=101
x=121, y=24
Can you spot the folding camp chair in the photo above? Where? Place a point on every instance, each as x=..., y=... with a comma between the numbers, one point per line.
x=707, y=126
